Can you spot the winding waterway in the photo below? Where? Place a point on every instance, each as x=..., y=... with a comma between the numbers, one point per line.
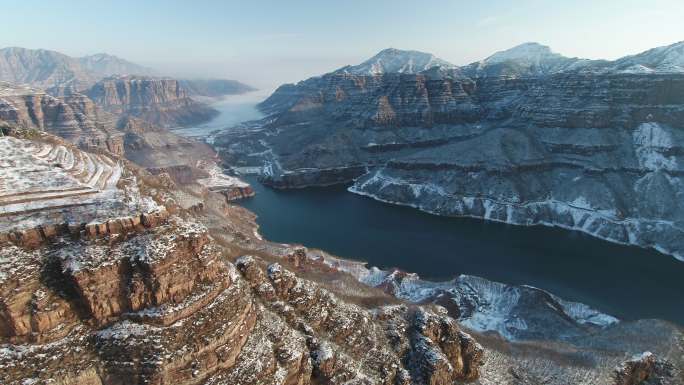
x=624, y=281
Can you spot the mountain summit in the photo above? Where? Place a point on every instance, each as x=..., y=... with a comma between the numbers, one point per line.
x=392, y=60
x=528, y=52
x=528, y=59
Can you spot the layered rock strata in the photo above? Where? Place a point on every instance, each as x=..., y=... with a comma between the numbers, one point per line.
x=525, y=137
x=74, y=117
x=157, y=303
x=161, y=101
x=49, y=188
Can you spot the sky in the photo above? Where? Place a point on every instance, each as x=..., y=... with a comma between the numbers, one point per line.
x=266, y=43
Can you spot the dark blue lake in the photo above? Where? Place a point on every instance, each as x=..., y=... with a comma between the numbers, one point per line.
x=627, y=282
x=623, y=281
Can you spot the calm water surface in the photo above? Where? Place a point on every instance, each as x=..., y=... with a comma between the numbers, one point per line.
x=233, y=109
x=627, y=282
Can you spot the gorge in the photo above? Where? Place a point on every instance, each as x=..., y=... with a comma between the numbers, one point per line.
x=526, y=137
x=133, y=252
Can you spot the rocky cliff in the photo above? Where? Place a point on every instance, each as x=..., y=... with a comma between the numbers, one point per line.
x=525, y=136
x=161, y=101
x=154, y=300
x=110, y=275
x=74, y=117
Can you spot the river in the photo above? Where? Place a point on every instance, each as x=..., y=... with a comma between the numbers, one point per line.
x=624, y=281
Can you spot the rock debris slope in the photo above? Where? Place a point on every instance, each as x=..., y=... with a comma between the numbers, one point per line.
x=526, y=137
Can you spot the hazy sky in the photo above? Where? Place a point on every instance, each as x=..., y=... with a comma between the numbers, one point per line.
x=270, y=42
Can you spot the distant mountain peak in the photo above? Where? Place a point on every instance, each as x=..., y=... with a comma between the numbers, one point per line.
x=529, y=52
x=392, y=60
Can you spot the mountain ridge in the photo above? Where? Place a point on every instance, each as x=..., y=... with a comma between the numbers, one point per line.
x=413, y=139
x=47, y=68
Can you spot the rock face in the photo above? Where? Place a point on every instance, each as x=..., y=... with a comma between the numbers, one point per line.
x=73, y=117
x=158, y=304
x=525, y=137
x=116, y=295
x=161, y=101
x=349, y=344
x=45, y=69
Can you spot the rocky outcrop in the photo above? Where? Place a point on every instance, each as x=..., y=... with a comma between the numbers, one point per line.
x=216, y=181
x=52, y=189
x=159, y=302
x=348, y=343
x=645, y=369
x=525, y=137
x=161, y=101
x=73, y=117
x=153, y=301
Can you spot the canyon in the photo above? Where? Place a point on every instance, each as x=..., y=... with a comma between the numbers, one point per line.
x=166, y=282
x=125, y=261
x=526, y=137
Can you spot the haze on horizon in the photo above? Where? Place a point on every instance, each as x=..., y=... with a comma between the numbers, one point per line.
x=267, y=43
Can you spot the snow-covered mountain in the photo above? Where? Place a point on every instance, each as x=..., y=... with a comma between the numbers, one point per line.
x=393, y=60
x=528, y=59
x=525, y=60
x=667, y=59
x=532, y=53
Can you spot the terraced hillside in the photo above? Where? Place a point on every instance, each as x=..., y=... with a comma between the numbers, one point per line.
x=53, y=183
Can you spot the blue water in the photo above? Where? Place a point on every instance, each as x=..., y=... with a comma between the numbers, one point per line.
x=233, y=109
x=627, y=282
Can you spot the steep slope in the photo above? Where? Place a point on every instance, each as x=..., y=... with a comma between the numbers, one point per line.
x=145, y=292
x=73, y=117
x=525, y=137
x=160, y=101
x=76, y=118
x=149, y=298
x=103, y=65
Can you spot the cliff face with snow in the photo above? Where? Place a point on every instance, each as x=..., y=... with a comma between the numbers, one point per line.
x=525, y=136
x=109, y=275
x=101, y=284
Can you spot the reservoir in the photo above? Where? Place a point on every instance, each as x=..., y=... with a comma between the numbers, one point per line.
x=623, y=281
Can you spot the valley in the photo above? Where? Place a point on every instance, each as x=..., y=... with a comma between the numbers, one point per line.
x=404, y=221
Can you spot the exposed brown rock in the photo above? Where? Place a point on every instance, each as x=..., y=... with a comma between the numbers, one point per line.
x=393, y=345
x=74, y=117
x=161, y=101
